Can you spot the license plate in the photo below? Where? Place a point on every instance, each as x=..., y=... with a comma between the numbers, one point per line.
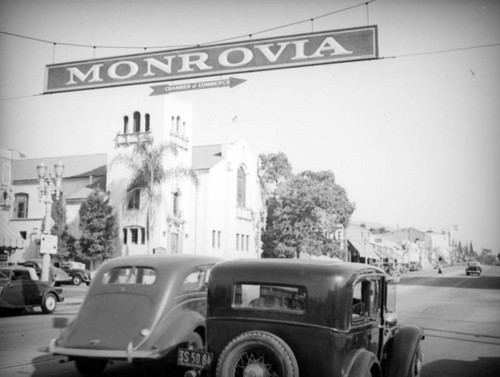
x=194, y=359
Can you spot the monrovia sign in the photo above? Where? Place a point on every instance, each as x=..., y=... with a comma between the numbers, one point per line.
x=256, y=55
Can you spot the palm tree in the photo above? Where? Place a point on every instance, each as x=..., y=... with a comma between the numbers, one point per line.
x=145, y=161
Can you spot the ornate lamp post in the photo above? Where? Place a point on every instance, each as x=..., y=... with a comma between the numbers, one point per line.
x=48, y=187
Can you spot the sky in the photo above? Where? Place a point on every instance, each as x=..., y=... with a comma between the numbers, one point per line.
x=413, y=137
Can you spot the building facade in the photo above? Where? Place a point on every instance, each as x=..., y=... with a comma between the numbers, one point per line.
x=219, y=212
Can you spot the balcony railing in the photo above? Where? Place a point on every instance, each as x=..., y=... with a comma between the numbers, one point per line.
x=133, y=138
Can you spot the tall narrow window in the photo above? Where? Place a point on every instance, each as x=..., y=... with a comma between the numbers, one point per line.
x=125, y=231
x=143, y=235
x=134, y=198
x=237, y=241
x=213, y=239
x=134, y=235
x=241, y=188
x=174, y=243
x=178, y=124
x=137, y=121
x=218, y=239
x=147, y=123
x=125, y=124
x=175, y=204
x=21, y=206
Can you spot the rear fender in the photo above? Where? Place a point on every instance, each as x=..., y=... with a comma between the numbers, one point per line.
x=399, y=351
x=177, y=329
x=359, y=363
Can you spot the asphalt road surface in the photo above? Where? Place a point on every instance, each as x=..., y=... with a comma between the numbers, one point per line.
x=460, y=315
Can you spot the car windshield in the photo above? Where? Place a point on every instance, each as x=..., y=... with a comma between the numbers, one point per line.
x=130, y=275
x=4, y=274
x=474, y=264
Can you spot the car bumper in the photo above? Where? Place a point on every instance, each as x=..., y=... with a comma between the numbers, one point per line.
x=128, y=354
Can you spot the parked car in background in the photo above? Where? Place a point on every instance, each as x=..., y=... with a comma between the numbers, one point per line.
x=139, y=308
x=77, y=271
x=21, y=289
x=473, y=268
x=289, y=317
x=57, y=276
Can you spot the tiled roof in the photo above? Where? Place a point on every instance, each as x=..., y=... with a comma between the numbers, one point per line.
x=207, y=156
x=74, y=166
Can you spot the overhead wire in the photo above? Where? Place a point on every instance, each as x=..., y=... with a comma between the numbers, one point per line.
x=94, y=46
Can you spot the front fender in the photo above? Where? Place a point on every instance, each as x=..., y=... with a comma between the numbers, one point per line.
x=400, y=351
x=359, y=363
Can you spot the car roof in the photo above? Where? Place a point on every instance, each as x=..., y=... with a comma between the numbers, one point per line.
x=161, y=261
x=16, y=268
x=293, y=271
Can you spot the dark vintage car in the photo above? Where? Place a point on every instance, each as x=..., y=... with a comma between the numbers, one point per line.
x=139, y=308
x=284, y=317
x=20, y=289
x=473, y=268
x=57, y=276
x=76, y=271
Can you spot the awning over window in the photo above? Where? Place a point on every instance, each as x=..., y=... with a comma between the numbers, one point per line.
x=9, y=238
x=364, y=250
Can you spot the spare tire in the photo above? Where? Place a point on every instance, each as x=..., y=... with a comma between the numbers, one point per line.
x=257, y=354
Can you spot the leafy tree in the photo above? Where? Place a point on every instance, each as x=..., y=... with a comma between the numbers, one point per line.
x=60, y=228
x=307, y=209
x=99, y=229
x=146, y=162
x=274, y=171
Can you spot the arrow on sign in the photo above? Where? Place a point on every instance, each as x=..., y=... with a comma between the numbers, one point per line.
x=165, y=89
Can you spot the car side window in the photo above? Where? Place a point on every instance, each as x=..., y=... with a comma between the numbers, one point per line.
x=197, y=280
x=365, y=300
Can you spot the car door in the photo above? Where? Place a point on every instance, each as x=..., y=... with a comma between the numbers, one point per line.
x=365, y=317
x=21, y=291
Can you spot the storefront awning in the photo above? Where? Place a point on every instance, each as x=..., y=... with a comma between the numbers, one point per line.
x=9, y=238
x=364, y=250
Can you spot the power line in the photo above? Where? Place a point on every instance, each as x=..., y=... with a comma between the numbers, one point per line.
x=440, y=51
x=94, y=46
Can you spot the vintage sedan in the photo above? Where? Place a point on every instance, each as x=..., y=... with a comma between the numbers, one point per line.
x=20, y=289
x=57, y=276
x=139, y=308
x=473, y=268
x=283, y=318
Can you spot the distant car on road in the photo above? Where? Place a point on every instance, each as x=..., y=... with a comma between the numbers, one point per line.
x=289, y=317
x=21, y=289
x=77, y=271
x=57, y=276
x=139, y=308
x=473, y=268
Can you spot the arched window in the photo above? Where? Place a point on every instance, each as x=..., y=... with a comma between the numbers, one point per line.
x=147, y=123
x=172, y=125
x=125, y=124
x=21, y=206
x=134, y=199
x=175, y=204
x=241, y=188
x=137, y=121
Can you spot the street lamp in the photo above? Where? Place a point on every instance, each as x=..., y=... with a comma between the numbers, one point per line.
x=46, y=188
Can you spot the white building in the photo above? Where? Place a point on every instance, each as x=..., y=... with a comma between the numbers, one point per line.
x=220, y=215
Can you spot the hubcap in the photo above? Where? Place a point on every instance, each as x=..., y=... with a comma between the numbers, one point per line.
x=50, y=303
x=254, y=370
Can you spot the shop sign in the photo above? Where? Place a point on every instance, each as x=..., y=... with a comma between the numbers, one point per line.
x=299, y=50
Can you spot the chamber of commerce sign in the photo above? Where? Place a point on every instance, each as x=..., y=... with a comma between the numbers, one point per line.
x=255, y=55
